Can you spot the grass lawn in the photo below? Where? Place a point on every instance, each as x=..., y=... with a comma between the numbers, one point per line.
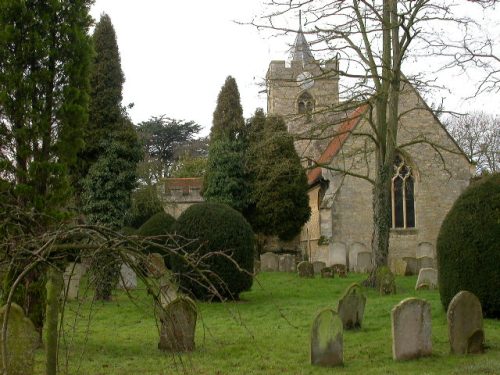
x=267, y=332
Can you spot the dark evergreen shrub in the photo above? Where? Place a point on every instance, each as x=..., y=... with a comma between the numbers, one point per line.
x=216, y=227
x=159, y=224
x=468, y=246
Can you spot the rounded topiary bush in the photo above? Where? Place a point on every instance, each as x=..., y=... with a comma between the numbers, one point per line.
x=159, y=224
x=468, y=246
x=216, y=228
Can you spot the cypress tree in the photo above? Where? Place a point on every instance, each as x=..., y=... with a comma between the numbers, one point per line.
x=225, y=178
x=279, y=199
x=111, y=154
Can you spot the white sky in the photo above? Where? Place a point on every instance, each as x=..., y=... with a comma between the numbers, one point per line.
x=177, y=54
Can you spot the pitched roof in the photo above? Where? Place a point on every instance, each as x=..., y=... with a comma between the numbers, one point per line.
x=183, y=183
x=336, y=143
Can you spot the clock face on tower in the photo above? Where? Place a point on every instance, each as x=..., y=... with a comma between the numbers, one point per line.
x=305, y=80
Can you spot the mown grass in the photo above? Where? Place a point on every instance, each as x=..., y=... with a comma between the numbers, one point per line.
x=267, y=332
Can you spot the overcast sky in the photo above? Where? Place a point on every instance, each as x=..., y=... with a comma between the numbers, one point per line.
x=177, y=54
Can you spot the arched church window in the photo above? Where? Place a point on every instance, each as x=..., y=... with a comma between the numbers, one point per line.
x=305, y=104
x=402, y=193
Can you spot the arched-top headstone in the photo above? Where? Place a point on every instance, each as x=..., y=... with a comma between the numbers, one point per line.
x=426, y=262
x=22, y=339
x=269, y=262
x=364, y=262
x=465, y=324
x=338, y=253
x=354, y=249
x=351, y=307
x=427, y=279
x=178, y=324
x=411, y=329
x=327, y=344
x=305, y=269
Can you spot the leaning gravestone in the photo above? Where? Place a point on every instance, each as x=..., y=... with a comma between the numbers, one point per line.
x=411, y=266
x=465, y=324
x=364, y=262
x=318, y=266
x=351, y=307
x=269, y=262
x=22, y=340
x=427, y=279
x=305, y=269
x=156, y=265
x=411, y=329
x=72, y=275
x=327, y=344
x=286, y=263
x=178, y=324
x=128, y=278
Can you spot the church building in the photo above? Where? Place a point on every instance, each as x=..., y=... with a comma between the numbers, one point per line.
x=429, y=173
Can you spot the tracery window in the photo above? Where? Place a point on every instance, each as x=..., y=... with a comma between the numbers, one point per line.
x=402, y=193
x=305, y=104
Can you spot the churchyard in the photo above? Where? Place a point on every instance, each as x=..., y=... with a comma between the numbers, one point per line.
x=266, y=332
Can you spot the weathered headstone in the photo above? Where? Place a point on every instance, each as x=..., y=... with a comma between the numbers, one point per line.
x=269, y=262
x=156, y=265
x=338, y=253
x=318, y=266
x=22, y=340
x=340, y=270
x=328, y=272
x=168, y=288
x=351, y=307
x=465, y=324
x=427, y=279
x=398, y=266
x=256, y=267
x=178, y=324
x=411, y=266
x=327, y=343
x=425, y=249
x=364, y=262
x=411, y=329
x=72, y=275
x=354, y=250
x=286, y=263
x=425, y=262
x=128, y=277
x=305, y=269
x=385, y=281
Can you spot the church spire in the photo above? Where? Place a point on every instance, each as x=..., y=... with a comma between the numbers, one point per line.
x=300, y=50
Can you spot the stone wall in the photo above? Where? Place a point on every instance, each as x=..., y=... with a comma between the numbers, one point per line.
x=177, y=194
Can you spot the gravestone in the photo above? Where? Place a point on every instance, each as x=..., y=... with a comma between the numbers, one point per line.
x=398, y=266
x=427, y=279
x=318, y=266
x=351, y=307
x=178, y=324
x=340, y=270
x=411, y=266
x=155, y=265
x=328, y=272
x=411, y=329
x=465, y=324
x=327, y=345
x=286, y=263
x=305, y=269
x=425, y=249
x=354, y=250
x=338, y=253
x=364, y=262
x=168, y=289
x=425, y=262
x=22, y=340
x=269, y=262
x=72, y=276
x=128, y=278
x=385, y=281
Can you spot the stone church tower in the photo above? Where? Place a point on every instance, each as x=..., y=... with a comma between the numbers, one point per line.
x=303, y=91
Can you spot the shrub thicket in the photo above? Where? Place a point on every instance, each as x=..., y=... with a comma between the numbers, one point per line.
x=159, y=224
x=468, y=246
x=216, y=228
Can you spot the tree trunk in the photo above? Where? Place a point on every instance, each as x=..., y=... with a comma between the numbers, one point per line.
x=54, y=288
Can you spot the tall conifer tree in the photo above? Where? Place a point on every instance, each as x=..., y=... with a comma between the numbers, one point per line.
x=225, y=179
x=111, y=154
